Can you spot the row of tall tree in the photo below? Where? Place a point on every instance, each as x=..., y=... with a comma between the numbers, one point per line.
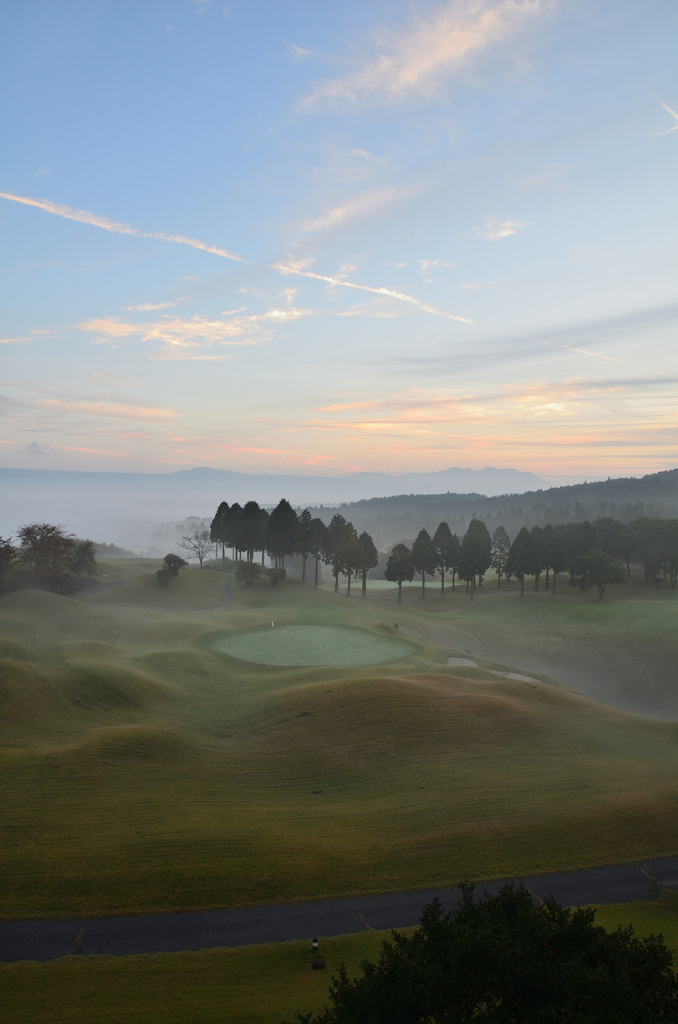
x=592, y=553
x=250, y=530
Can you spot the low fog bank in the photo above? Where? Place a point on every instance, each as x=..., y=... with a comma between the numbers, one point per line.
x=637, y=677
x=124, y=508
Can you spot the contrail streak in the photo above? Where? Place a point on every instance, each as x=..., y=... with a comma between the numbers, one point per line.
x=387, y=292
x=86, y=217
x=668, y=110
x=118, y=228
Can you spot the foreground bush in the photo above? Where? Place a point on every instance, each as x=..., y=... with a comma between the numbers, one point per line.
x=502, y=960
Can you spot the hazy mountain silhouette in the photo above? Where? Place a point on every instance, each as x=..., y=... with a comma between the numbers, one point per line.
x=90, y=503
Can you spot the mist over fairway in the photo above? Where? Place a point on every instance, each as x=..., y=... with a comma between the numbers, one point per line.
x=143, y=771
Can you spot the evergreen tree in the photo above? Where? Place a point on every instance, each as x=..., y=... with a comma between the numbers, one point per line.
x=444, y=545
x=521, y=557
x=424, y=557
x=305, y=528
x=348, y=553
x=316, y=541
x=399, y=567
x=232, y=527
x=219, y=528
x=282, y=533
x=253, y=523
x=331, y=554
x=475, y=556
x=369, y=558
x=555, y=554
x=501, y=545
x=538, y=561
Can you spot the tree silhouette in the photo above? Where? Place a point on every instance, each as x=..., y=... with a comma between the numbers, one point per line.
x=475, y=556
x=504, y=959
x=445, y=549
x=219, y=528
x=369, y=558
x=424, y=557
x=8, y=558
x=316, y=540
x=282, y=533
x=596, y=569
x=521, y=557
x=399, y=567
x=331, y=553
x=501, y=545
x=198, y=544
x=48, y=548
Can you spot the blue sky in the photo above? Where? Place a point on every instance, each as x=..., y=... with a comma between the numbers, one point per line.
x=318, y=238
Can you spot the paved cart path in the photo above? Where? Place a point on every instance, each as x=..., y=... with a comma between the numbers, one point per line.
x=164, y=933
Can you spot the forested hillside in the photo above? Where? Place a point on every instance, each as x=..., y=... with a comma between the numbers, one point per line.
x=401, y=517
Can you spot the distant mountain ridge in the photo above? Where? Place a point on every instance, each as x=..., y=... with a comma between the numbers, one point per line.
x=124, y=507
x=86, y=500
x=400, y=518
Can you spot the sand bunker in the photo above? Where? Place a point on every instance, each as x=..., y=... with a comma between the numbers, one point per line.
x=290, y=646
x=506, y=675
x=520, y=676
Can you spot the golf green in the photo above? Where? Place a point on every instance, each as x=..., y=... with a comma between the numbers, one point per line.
x=312, y=645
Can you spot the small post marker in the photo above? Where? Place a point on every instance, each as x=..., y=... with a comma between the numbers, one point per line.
x=317, y=962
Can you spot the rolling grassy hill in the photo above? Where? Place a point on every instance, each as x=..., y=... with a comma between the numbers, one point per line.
x=141, y=770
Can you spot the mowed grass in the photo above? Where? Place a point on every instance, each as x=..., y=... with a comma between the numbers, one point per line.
x=250, y=985
x=140, y=770
x=312, y=645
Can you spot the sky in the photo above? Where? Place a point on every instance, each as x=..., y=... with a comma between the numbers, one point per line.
x=319, y=238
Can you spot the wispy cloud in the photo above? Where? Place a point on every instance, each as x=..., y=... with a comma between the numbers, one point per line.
x=361, y=207
x=668, y=109
x=585, y=352
x=385, y=292
x=148, y=306
x=115, y=410
x=416, y=58
x=546, y=176
x=186, y=338
x=494, y=228
x=293, y=264
x=116, y=227
x=434, y=264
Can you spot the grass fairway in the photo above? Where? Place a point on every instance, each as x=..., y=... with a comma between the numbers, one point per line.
x=141, y=770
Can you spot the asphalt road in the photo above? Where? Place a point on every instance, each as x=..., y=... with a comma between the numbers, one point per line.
x=163, y=933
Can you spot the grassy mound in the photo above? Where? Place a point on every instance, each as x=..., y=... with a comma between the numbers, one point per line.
x=190, y=591
x=60, y=698
x=127, y=746
x=140, y=770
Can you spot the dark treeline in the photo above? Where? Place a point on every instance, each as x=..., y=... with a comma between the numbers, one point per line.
x=391, y=519
x=250, y=530
x=594, y=554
